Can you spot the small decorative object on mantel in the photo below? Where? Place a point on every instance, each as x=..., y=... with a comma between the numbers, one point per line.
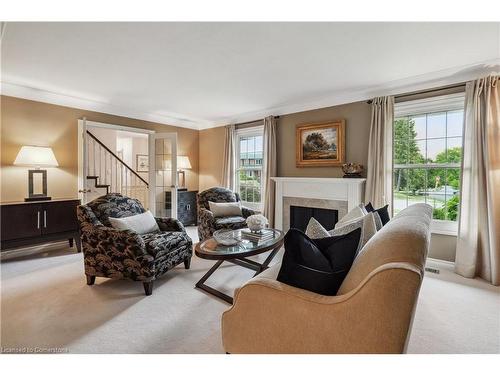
x=352, y=170
x=256, y=222
x=320, y=144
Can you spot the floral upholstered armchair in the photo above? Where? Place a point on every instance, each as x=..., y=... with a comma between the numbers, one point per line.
x=207, y=223
x=124, y=254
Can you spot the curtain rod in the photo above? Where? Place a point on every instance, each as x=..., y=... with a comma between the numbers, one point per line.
x=251, y=122
x=458, y=85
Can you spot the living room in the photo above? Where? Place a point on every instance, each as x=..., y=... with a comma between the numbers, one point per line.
x=250, y=187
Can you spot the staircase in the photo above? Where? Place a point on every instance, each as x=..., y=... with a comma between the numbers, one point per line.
x=108, y=173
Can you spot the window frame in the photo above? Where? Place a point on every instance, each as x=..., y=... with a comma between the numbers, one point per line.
x=248, y=132
x=442, y=103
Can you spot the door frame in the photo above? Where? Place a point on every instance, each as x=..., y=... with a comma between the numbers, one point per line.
x=83, y=123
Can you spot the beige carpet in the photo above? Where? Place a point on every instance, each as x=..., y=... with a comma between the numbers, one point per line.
x=46, y=303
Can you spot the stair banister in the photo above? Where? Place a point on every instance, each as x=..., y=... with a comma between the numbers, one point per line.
x=103, y=146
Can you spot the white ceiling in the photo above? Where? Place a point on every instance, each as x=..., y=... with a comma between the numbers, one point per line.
x=204, y=74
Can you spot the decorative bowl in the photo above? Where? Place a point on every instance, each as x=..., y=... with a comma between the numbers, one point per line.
x=256, y=222
x=227, y=237
x=352, y=168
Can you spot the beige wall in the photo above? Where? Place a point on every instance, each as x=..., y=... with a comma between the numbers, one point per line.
x=356, y=115
x=357, y=120
x=211, y=150
x=25, y=122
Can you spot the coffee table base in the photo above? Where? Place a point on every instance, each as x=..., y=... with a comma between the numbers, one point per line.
x=243, y=262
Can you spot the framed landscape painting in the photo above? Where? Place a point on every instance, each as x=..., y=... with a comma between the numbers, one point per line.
x=321, y=144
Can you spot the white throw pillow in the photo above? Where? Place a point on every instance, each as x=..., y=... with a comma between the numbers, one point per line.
x=356, y=213
x=315, y=230
x=367, y=223
x=378, y=220
x=141, y=223
x=225, y=209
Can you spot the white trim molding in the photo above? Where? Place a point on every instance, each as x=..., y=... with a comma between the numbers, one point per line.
x=441, y=78
x=45, y=96
x=425, y=81
x=103, y=125
x=434, y=104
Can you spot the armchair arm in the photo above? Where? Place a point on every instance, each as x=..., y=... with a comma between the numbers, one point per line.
x=168, y=224
x=206, y=217
x=206, y=223
x=272, y=317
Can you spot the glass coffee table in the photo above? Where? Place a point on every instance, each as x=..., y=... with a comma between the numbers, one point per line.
x=237, y=254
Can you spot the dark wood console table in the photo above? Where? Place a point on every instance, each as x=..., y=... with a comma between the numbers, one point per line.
x=31, y=223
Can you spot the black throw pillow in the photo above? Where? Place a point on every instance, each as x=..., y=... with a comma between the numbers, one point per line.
x=320, y=265
x=383, y=212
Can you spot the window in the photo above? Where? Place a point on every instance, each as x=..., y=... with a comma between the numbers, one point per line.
x=249, y=168
x=427, y=153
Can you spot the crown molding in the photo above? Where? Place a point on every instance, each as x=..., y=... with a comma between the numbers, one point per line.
x=427, y=81
x=45, y=96
x=416, y=83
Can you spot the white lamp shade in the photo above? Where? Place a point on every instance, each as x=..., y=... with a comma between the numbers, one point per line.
x=183, y=162
x=36, y=156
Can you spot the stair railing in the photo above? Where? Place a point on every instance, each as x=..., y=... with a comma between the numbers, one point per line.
x=111, y=172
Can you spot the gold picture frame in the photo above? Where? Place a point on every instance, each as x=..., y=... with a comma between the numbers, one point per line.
x=142, y=163
x=320, y=144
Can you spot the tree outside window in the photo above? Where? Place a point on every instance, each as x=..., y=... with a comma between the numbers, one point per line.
x=427, y=155
x=250, y=152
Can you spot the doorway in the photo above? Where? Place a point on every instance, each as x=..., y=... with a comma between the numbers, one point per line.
x=133, y=162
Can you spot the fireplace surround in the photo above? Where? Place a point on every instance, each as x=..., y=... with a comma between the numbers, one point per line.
x=340, y=194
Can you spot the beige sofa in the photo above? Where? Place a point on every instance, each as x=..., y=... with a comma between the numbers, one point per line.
x=372, y=312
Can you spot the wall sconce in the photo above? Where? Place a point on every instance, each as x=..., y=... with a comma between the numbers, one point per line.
x=36, y=156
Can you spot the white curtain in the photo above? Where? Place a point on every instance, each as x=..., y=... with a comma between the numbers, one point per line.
x=478, y=245
x=269, y=168
x=379, y=170
x=229, y=159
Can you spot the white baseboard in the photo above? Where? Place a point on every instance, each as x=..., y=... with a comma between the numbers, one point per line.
x=439, y=264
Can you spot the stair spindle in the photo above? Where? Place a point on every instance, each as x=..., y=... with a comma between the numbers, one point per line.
x=105, y=167
x=93, y=156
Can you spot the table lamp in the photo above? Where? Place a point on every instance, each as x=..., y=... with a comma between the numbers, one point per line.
x=36, y=156
x=182, y=164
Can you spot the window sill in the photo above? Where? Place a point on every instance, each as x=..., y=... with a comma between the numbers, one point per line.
x=444, y=227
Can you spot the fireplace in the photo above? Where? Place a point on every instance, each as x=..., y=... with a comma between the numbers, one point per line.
x=331, y=194
x=300, y=216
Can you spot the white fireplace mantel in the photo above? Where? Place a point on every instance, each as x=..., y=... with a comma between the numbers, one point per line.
x=348, y=192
